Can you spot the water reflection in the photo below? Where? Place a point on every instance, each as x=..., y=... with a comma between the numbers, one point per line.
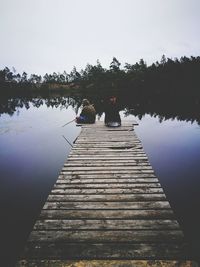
x=173, y=148
x=32, y=153
x=171, y=109
x=12, y=105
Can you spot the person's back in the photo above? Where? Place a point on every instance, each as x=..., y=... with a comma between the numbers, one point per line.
x=112, y=116
x=88, y=113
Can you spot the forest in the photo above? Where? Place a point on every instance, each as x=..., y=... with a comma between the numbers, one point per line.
x=167, y=77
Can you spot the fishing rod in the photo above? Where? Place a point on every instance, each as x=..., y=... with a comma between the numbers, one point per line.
x=69, y=122
x=67, y=141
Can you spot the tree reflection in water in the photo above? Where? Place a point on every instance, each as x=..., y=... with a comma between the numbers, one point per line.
x=181, y=109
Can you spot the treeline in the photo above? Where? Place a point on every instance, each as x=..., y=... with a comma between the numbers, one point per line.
x=165, y=77
x=169, y=70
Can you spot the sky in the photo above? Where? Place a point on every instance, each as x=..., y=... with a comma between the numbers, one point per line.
x=43, y=36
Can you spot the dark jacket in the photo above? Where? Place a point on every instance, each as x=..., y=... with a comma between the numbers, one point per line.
x=112, y=113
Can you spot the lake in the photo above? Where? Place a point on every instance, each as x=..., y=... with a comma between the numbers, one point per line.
x=33, y=148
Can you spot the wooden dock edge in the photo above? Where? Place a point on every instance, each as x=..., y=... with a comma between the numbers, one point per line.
x=106, y=263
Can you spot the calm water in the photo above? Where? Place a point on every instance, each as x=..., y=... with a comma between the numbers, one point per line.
x=33, y=150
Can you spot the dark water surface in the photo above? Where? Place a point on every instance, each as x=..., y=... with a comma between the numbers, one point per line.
x=33, y=150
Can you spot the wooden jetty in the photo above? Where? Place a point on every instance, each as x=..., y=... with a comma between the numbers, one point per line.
x=107, y=204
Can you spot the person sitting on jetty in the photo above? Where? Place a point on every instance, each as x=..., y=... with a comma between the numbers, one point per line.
x=112, y=116
x=88, y=113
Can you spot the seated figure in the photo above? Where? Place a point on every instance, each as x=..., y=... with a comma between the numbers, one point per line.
x=88, y=113
x=112, y=117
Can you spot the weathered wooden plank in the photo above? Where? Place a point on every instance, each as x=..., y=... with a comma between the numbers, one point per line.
x=101, y=175
x=98, y=128
x=117, y=130
x=112, y=141
x=108, y=159
x=109, y=153
x=107, y=172
x=108, y=236
x=66, y=180
x=106, y=135
x=107, y=146
x=107, y=191
x=74, y=160
x=108, y=149
x=105, y=251
x=108, y=205
x=112, y=154
x=107, y=263
x=101, y=125
x=108, y=140
x=110, y=168
x=131, y=159
x=105, y=164
x=106, y=225
x=106, y=185
x=98, y=139
x=96, y=132
x=90, y=139
x=110, y=197
x=107, y=214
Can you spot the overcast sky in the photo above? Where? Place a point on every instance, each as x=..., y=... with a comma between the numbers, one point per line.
x=39, y=36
